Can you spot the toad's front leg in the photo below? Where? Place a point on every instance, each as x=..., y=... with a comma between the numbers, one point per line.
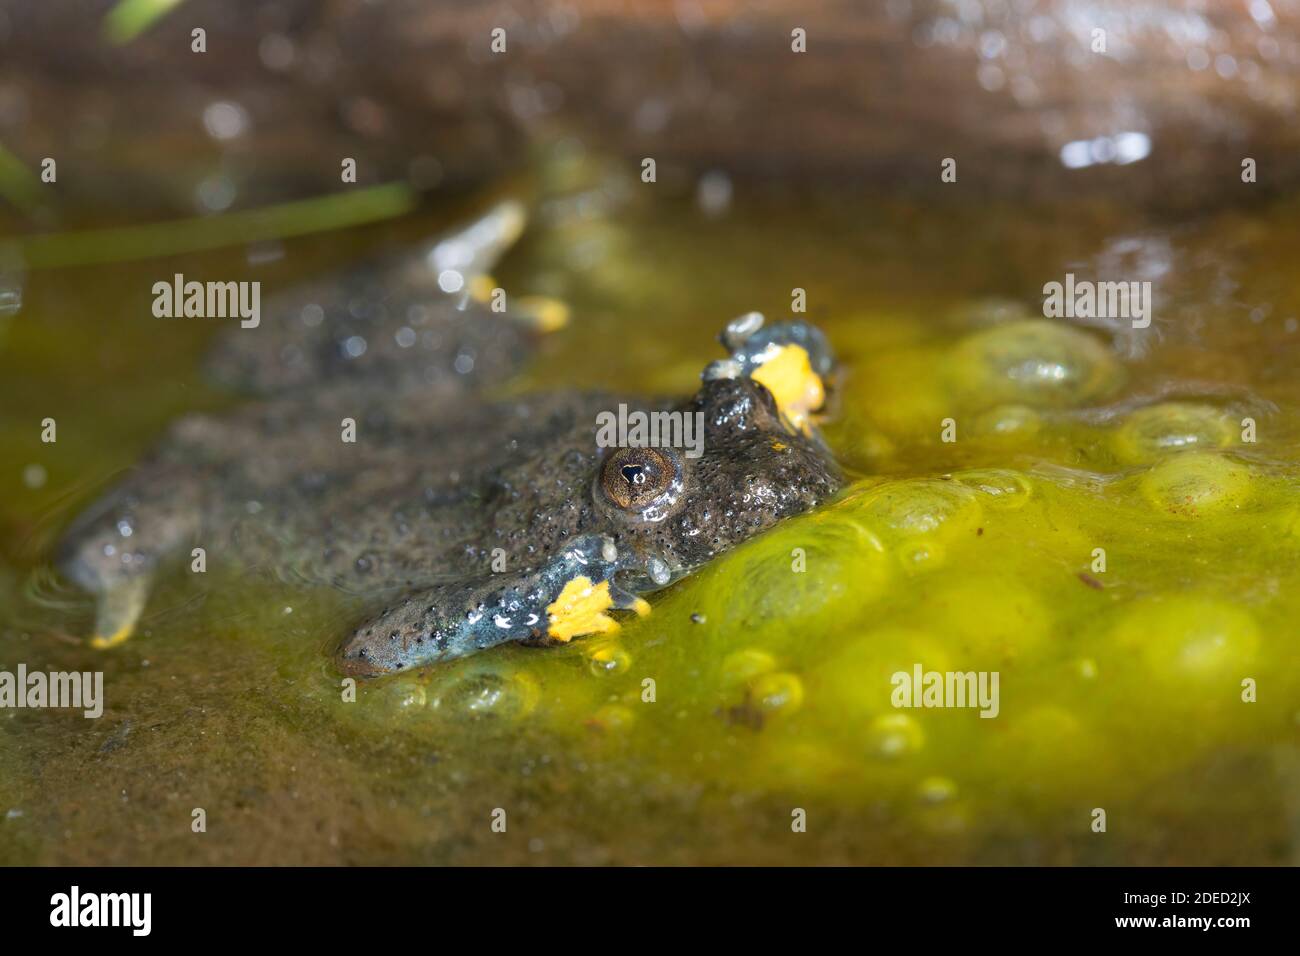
x=567, y=597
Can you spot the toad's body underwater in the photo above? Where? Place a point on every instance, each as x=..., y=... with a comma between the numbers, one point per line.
x=493, y=521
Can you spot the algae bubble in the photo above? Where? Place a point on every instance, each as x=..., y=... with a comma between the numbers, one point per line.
x=1182, y=638
x=894, y=736
x=1194, y=484
x=1006, y=489
x=777, y=694
x=1035, y=362
x=1158, y=430
x=805, y=578
x=608, y=658
x=991, y=617
x=921, y=506
x=479, y=691
x=1019, y=422
x=855, y=684
x=744, y=665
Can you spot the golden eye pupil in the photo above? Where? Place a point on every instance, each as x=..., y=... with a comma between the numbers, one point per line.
x=633, y=474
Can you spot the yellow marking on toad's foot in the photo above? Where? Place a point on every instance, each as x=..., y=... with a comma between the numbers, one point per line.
x=119, y=610
x=481, y=288
x=797, y=389
x=580, y=609
x=542, y=312
x=102, y=643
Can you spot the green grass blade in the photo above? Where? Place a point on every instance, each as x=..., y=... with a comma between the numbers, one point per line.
x=129, y=18
x=282, y=221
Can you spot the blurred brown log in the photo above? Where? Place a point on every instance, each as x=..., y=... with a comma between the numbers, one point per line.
x=885, y=91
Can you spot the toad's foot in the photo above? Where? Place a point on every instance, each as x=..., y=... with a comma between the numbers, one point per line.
x=580, y=609
x=118, y=610
x=792, y=360
x=114, y=549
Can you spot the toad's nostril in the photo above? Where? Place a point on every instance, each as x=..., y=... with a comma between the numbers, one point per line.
x=354, y=661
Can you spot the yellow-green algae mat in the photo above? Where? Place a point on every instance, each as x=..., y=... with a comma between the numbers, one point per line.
x=1119, y=550
x=1131, y=615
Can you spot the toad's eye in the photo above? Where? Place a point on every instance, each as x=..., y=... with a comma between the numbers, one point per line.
x=634, y=477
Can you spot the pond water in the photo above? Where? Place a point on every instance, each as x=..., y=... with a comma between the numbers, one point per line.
x=1113, y=529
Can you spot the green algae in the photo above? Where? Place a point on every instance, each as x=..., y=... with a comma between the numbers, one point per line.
x=1124, y=559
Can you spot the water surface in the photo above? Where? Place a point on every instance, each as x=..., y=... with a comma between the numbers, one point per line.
x=1120, y=689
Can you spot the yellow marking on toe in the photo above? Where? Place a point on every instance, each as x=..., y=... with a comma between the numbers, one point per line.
x=481, y=288
x=540, y=311
x=798, y=390
x=546, y=314
x=99, y=642
x=641, y=606
x=580, y=609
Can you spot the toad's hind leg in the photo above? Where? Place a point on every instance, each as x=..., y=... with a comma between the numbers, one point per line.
x=423, y=319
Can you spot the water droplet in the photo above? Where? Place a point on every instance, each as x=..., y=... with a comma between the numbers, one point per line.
x=225, y=120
